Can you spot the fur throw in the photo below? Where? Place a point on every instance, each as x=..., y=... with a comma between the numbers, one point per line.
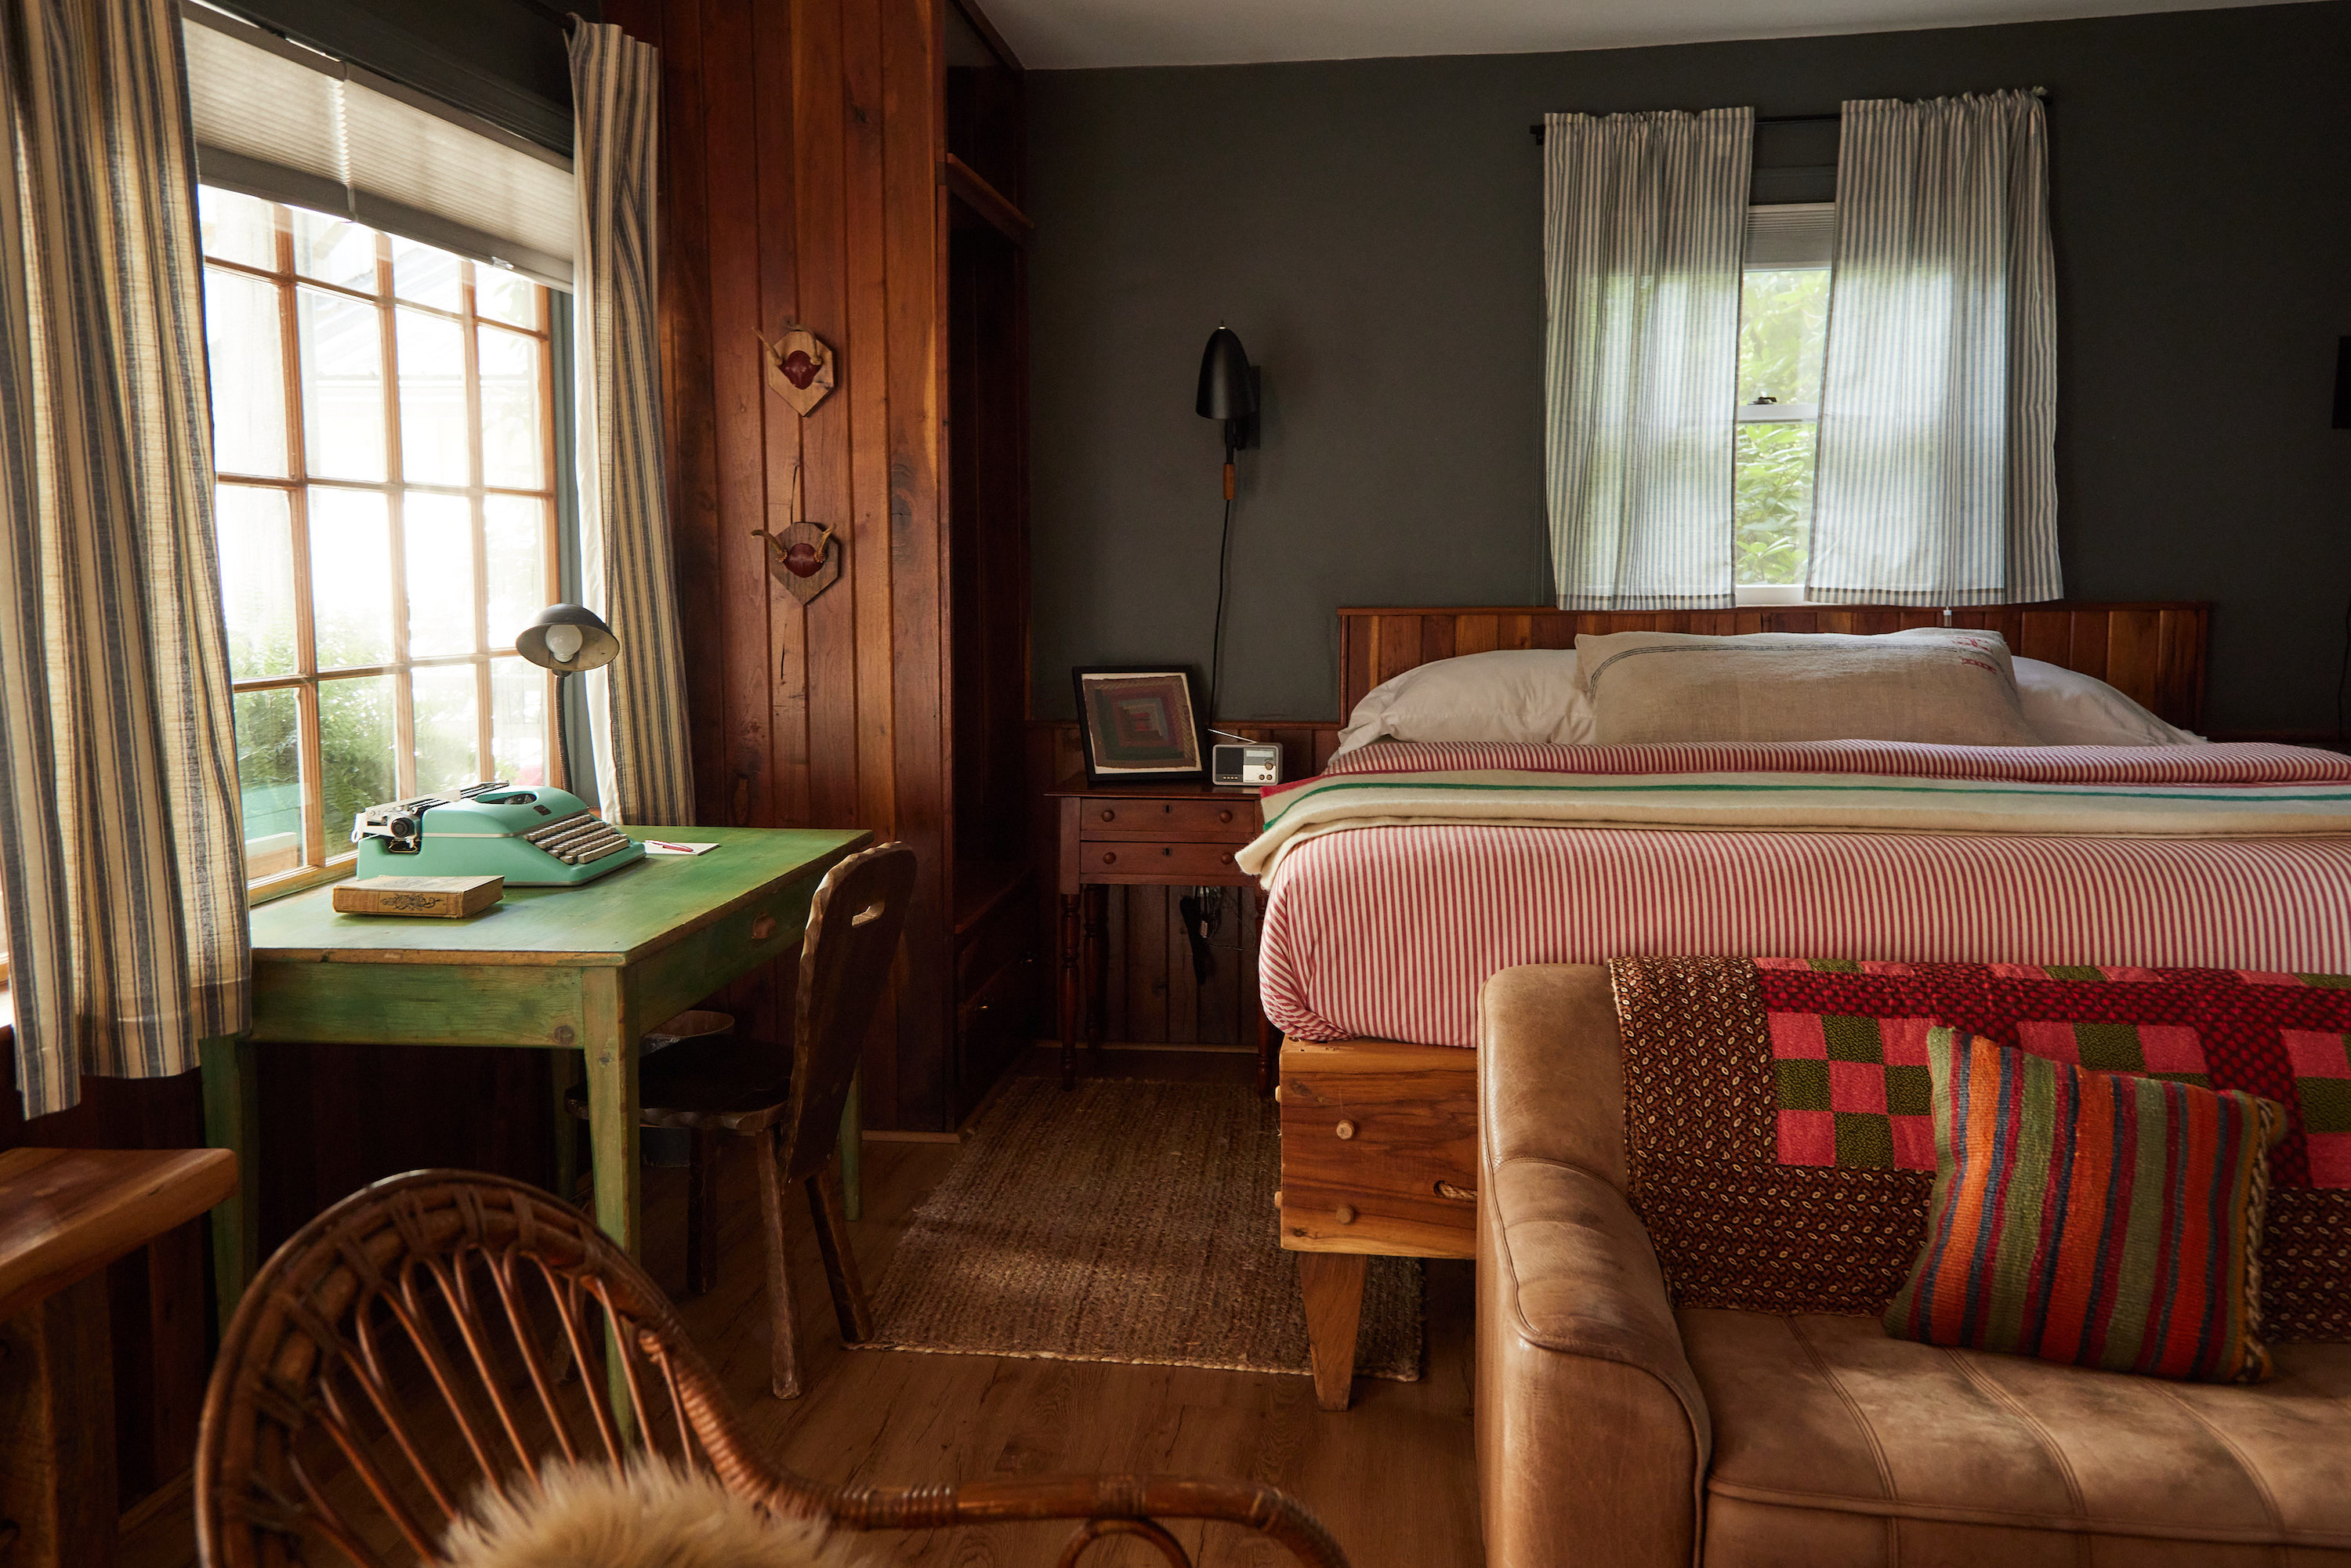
x=651, y=1515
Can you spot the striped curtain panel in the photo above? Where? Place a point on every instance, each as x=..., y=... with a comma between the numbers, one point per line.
x=636, y=704
x=121, y=852
x=1937, y=480
x=1643, y=218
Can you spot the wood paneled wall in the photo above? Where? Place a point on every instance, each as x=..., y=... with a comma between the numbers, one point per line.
x=802, y=145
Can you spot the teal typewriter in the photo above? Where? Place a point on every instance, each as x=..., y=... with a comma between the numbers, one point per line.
x=532, y=835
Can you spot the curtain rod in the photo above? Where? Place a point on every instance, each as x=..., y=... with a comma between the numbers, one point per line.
x=1536, y=129
x=2043, y=93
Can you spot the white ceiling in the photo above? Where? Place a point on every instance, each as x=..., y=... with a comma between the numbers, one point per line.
x=1055, y=35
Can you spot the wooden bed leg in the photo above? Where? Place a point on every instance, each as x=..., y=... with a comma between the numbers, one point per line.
x=1334, y=1286
x=1097, y=916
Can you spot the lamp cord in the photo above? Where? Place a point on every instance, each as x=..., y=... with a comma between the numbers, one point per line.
x=1216, y=658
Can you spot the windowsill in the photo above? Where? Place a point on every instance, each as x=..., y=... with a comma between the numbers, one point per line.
x=1772, y=597
x=294, y=882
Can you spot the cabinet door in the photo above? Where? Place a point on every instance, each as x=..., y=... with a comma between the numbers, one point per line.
x=997, y=976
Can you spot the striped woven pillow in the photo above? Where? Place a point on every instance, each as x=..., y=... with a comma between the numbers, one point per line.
x=2102, y=1218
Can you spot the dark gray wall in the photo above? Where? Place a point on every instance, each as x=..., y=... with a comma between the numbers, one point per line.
x=1370, y=229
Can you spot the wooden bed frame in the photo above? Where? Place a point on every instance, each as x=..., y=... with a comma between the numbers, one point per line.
x=1379, y=1140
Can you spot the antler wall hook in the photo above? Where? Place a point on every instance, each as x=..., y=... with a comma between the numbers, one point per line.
x=805, y=556
x=799, y=367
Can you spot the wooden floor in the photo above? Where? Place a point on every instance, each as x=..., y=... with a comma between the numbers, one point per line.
x=1394, y=1477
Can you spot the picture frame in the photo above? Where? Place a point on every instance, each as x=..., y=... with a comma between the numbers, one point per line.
x=1137, y=723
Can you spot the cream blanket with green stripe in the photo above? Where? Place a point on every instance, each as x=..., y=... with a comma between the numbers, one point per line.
x=2188, y=791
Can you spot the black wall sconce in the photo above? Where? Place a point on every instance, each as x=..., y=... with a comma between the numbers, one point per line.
x=1229, y=389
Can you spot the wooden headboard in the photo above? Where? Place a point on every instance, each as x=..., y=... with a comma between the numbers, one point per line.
x=2153, y=653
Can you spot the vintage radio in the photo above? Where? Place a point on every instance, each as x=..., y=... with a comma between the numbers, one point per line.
x=1248, y=763
x=532, y=835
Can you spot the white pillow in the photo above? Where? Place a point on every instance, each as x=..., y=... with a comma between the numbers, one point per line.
x=1529, y=695
x=2070, y=708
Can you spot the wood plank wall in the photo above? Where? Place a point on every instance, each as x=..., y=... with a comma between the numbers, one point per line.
x=801, y=144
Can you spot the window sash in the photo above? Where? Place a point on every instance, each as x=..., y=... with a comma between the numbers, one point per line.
x=322, y=854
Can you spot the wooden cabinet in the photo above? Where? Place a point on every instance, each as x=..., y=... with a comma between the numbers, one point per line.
x=986, y=438
x=1140, y=835
x=854, y=167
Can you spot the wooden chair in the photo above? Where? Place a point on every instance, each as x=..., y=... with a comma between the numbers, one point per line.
x=408, y=1347
x=789, y=1106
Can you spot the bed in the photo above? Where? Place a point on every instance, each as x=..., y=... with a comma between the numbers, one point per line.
x=1404, y=875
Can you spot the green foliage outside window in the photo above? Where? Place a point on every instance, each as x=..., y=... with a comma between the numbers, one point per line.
x=1783, y=331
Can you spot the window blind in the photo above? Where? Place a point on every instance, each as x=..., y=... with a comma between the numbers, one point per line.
x=1791, y=235
x=277, y=120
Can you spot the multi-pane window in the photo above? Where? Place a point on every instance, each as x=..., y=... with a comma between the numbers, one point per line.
x=1783, y=339
x=384, y=429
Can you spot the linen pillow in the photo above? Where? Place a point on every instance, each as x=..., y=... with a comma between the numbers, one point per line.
x=2105, y=1219
x=2069, y=709
x=1526, y=695
x=1945, y=685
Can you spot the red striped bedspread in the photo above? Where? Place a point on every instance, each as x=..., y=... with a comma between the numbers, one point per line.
x=1386, y=928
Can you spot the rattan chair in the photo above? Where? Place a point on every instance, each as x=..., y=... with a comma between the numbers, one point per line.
x=411, y=1344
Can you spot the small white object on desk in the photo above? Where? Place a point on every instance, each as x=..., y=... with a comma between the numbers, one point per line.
x=672, y=847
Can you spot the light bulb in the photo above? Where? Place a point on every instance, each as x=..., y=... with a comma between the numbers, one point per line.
x=563, y=643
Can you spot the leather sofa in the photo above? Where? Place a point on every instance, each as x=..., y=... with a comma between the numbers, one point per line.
x=1614, y=1429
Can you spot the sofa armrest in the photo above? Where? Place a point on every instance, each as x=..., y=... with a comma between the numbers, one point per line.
x=1593, y=1434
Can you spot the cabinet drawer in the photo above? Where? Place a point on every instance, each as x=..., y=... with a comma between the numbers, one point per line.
x=1379, y=1149
x=1230, y=821
x=1108, y=860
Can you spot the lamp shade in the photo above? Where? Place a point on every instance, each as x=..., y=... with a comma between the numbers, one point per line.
x=1226, y=389
x=567, y=639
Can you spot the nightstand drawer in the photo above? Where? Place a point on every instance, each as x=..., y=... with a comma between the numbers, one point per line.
x=1106, y=861
x=1232, y=821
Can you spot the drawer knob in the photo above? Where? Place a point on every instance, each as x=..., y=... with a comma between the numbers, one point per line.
x=1346, y=1213
x=1168, y=851
x=1109, y=815
x=1227, y=858
x=1225, y=816
x=1346, y=1129
x=1110, y=857
x=763, y=927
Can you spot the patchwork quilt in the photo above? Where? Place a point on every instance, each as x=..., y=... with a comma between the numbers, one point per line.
x=1779, y=1134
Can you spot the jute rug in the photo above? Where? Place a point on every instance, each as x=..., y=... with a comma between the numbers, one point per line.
x=1122, y=1221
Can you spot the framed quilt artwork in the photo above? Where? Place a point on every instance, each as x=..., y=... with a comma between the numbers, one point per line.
x=1137, y=725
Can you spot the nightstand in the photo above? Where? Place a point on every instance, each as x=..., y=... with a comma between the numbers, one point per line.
x=1126, y=835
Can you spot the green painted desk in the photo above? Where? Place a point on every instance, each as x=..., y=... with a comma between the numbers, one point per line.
x=586, y=969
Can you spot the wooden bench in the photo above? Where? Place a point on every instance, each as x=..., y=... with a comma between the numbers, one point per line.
x=64, y=1214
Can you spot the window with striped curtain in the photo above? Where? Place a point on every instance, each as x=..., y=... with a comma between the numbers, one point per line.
x=383, y=433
